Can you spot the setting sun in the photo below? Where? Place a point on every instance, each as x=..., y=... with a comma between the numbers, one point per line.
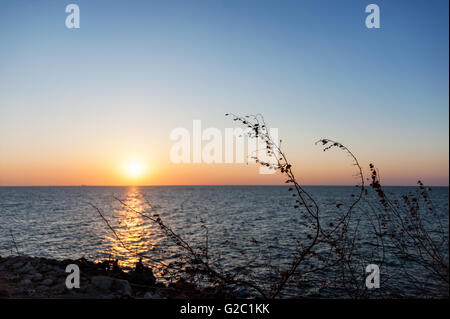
x=134, y=169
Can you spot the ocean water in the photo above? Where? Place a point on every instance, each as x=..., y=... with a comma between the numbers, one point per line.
x=245, y=223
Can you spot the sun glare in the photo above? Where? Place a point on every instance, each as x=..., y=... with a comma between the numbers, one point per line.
x=134, y=169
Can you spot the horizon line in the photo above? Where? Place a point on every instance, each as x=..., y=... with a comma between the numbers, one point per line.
x=190, y=185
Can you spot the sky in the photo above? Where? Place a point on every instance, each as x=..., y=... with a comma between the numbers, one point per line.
x=96, y=105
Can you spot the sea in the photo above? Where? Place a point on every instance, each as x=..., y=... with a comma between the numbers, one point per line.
x=252, y=228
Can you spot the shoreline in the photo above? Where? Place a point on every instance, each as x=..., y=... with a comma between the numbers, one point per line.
x=24, y=277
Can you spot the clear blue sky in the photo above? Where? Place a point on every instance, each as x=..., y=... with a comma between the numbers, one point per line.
x=311, y=67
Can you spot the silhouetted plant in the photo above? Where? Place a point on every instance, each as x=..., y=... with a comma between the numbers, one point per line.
x=330, y=250
x=415, y=231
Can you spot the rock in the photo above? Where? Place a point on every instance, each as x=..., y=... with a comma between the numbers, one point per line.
x=143, y=278
x=59, y=288
x=4, y=290
x=4, y=293
x=43, y=267
x=47, y=282
x=25, y=269
x=106, y=283
x=25, y=282
x=58, y=269
x=241, y=292
x=18, y=265
x=151, y=295
x=121, y=286
x=37, y=277
x=102, y=282
x=42, y=288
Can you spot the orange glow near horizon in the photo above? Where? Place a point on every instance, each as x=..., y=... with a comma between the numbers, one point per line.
x=125, y=165
x=142, y=173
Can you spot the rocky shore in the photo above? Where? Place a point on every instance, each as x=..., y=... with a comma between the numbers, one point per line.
x=34, y=277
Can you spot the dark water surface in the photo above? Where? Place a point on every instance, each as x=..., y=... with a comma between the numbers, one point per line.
x=59, y=222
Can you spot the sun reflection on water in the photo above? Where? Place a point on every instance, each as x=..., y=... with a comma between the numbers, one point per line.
x=138, y=235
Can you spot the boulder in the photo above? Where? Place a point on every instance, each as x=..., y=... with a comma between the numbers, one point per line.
x=121, y=286
x=37, y=277
x=241, y=292
x=59, y=288
x=42, y=288
x=102, y=282
x=58, y=269
x=25, y=282
x=25, y=269
x=151, y=295
x=18, y=265
x=47, y=282
x=44, y=267
x=4, y=293
x=142, y=278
